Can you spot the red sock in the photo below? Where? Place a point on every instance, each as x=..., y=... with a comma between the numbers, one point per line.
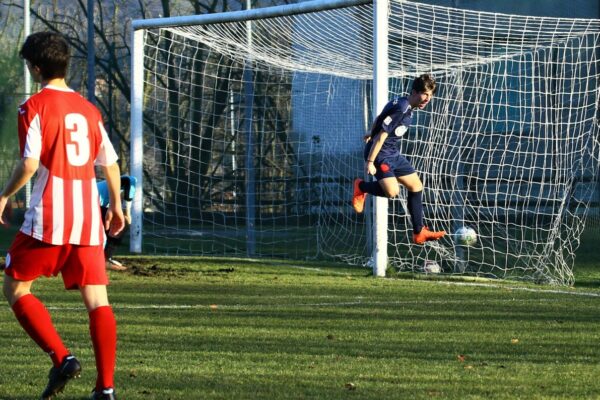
x=103, y=330
x=35, y=319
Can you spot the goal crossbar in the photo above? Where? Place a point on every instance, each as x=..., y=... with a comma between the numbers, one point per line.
x=246, y=15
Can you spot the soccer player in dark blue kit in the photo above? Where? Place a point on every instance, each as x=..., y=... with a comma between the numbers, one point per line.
x=384, y=161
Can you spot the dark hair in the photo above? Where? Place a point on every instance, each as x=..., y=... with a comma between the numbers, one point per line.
x=424, y=83
x=49, y=52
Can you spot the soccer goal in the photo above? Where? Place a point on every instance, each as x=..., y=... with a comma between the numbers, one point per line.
x=247, y=128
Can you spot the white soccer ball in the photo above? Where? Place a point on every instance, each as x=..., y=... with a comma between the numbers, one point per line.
x=466, y=236
x=431, y=267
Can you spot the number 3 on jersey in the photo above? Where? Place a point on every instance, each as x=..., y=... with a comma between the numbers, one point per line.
x=78, y=150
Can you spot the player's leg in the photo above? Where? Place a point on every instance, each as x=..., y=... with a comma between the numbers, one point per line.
x=103, y=331
x=28, y=259
x=389, y=187
x=85, y=270
x=15, y=289
x=36, y=321
x=385, y=186
x=109, y=247
x=414, y=199
x=414, y=187
x=112, y=243
x=34, y=318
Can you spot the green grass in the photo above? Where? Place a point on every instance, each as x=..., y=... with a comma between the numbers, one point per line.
x=219, y=328
x=209, y=328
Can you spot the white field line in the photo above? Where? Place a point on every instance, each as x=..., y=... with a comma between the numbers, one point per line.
x=477, y=284
x=358, y=302
x=522, y=289
x=325, y=271
x=273, y=304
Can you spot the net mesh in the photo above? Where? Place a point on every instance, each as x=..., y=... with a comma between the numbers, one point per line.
x=252, y=140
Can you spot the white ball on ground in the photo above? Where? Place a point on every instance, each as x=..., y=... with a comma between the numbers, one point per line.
x=431, y=267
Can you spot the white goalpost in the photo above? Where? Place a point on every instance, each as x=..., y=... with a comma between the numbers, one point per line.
x=247, y=129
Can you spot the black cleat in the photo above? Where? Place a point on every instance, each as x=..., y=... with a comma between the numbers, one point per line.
x=106, y=394
x=58, y=377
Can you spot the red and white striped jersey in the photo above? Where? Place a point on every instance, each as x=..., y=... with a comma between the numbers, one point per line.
x=65, y=133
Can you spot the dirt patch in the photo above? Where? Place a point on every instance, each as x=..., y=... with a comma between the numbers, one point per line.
x=153, y=267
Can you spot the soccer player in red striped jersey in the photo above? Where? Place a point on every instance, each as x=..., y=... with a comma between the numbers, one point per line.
x=62, y=138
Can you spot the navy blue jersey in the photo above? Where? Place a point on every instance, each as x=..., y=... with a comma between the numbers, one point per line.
x=395, y=118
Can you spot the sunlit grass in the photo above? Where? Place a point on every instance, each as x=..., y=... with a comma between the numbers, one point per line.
x=218, y=328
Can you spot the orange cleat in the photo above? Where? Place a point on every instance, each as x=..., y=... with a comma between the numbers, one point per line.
x=426, y=235
x=358, y=199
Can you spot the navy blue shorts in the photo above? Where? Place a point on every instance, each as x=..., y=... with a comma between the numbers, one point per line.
x=393, y=167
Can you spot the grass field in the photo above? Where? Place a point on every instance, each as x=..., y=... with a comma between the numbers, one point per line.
x=242, y=329
x=216, y=328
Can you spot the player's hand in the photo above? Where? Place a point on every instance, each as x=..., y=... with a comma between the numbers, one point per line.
x=114, y=221
x=370, y=168
x=367, y=138
x=5, y=211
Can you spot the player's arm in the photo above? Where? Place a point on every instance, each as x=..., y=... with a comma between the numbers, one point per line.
x=22, y=173
x=371, y=133
x=114, y=221
x=378, y=140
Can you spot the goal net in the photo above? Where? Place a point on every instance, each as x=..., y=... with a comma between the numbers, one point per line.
x=253, y=123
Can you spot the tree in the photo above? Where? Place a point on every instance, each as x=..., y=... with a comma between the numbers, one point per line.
x=112, y=24
x=11, y=91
